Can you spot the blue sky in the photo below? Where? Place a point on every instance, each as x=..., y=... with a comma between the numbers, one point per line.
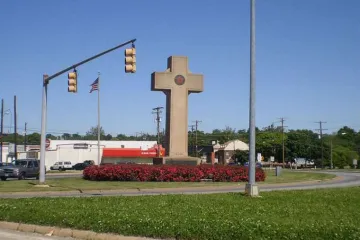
x=308, y=61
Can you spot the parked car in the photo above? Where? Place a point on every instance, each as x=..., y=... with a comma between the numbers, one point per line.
x=83, y=165
x=258, y=165
x=20, y=169
x=62, y=166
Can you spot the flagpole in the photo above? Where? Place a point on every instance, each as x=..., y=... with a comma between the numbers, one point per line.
x=99, y=132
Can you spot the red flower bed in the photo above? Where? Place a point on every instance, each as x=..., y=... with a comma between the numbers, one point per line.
x=168, y=173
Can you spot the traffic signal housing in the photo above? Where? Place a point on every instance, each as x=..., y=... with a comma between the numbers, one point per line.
x=72, y=82
x=130, y=60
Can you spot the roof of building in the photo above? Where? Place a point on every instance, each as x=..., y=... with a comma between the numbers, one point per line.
x=54, y=144
x=233, y=145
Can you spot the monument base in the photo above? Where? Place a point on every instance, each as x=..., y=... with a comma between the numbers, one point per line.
x=192, y=161
x=252, y=190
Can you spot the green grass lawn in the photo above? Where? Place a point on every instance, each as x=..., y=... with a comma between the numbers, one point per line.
x=315, y=214
x=67, y=184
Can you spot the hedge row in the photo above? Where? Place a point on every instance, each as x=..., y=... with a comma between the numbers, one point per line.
x=167, y=173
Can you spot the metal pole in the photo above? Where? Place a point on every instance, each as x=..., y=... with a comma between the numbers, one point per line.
x=46, y=80
x=331, y=154
x=11, y=119
x=251, y=189
x=89, y=59
x=25, y=137
x=2, y=129
x=43, y=130
x=15, y=128
x=99, y=132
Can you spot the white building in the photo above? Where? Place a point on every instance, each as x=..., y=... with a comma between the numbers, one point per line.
x=75, y=151
x=224, y=152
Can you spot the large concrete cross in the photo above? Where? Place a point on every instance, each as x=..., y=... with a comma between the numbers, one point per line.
x=177, y=82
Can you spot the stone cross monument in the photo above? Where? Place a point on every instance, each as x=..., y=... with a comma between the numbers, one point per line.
x=177, y=82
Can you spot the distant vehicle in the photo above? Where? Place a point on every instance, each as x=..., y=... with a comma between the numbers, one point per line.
x=258, y=165
x=302, y=163
x=62, y=166
x=20, y=169
x=233, y=164
x=83, y=165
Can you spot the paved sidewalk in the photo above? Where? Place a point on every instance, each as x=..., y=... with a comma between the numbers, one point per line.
x=20, y=231
x=15, y=235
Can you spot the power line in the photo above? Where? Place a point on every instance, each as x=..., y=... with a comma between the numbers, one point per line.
x=321, y=129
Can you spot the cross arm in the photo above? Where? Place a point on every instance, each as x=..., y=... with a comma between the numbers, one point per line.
x=161, y=81
x=195, y=83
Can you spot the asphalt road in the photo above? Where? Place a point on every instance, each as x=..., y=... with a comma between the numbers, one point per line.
x=347, y=179
x=15, y=235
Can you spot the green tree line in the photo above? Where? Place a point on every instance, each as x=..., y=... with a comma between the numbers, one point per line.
x=298, y=143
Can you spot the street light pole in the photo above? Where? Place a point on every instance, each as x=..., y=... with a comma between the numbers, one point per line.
x=251, y=188
x=46, y=81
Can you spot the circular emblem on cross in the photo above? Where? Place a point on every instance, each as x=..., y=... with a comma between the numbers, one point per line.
x=179, y=80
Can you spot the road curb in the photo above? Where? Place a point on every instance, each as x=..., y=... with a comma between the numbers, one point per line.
x=64, y=232
x=178, y=190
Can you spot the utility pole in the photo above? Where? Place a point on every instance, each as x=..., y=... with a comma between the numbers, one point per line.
x=321, y=129
x=282, y=120
x=15, y=128
x=196, y=132
x=158, y=111
x=192, y=138
x=1, y=129
x=331, y=154
x=25, y=137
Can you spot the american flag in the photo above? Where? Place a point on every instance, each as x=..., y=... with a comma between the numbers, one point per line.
x=95, y=85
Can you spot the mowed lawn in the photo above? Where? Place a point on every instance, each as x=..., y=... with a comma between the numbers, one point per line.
x=68, y=184
x=315, y=214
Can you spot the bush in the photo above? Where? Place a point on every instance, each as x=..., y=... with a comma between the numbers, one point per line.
x=167, y=173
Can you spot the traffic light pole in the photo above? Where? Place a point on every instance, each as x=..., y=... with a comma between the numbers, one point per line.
x=43, y=130
x=46, y=81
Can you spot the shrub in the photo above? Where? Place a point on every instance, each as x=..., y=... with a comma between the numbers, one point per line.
x=167, y=173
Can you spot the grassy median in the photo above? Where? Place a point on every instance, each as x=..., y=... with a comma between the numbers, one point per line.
x=68, y=184
x=316, y=214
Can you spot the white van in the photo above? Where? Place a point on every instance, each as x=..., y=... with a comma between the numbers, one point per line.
x=62, y=166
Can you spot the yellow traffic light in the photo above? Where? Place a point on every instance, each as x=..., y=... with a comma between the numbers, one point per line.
x=130, y=60
x=72, y=82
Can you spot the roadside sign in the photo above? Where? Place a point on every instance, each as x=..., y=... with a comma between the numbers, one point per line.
x=259, y=157
x=11, y=148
